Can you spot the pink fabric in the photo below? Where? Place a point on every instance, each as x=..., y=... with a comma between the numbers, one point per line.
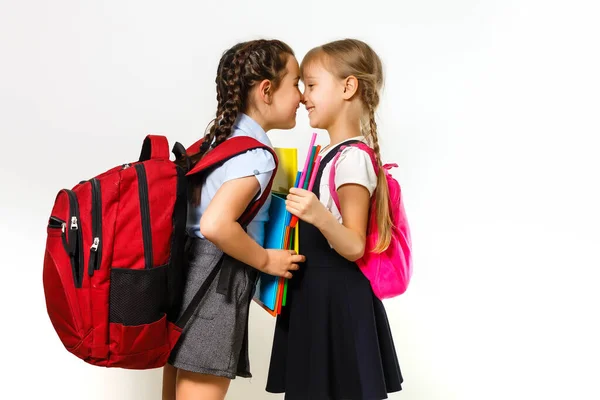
x=390, y=271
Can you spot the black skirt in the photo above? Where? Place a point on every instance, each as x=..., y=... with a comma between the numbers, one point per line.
x=332, y=340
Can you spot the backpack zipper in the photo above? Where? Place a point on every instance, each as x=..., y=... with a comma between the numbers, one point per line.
x=96, y=248
x=145, y=209
x=75, y=239
x=56, y=223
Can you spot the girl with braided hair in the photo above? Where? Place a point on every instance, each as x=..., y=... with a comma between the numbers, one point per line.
x=332, y=340
x=257, y=90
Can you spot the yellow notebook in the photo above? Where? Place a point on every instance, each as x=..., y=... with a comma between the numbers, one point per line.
x=270, y=290
x=288, y=168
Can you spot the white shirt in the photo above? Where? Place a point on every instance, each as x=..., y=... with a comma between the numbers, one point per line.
x=353, y=166
x=258, y=162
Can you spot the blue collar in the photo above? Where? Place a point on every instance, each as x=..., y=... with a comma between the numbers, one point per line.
x=246, y=125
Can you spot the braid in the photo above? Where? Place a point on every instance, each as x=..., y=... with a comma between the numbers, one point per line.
x=384, y=219
x=239, y=69
x=233, y=105
x=373, y=134
x=351, y=57
x=228, y=87
x=210, y=131
x=235, y=87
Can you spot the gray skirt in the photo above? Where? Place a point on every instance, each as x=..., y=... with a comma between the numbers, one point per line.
x=215, y=340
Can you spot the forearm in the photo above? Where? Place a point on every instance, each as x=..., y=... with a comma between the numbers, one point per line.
x=234, y=241
x=346, y=242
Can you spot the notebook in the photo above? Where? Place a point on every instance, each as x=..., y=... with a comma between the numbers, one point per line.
x=270, y=289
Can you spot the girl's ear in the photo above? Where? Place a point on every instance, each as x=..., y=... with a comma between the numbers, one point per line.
x=350, y=87
x=265, y=91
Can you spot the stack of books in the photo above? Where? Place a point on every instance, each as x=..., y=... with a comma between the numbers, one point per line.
x=281, y=232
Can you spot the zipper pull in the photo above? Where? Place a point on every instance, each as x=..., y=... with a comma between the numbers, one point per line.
x=95, y=244
x=63, y=227
x=93, y=264
x=74, y=225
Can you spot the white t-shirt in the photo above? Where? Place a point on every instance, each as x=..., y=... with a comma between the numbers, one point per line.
x=353, y=166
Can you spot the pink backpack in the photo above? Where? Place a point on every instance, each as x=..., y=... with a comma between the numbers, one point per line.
x=389, y=272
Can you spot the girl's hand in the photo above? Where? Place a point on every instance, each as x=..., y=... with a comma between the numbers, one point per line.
x=305, y=205
x=282, y=263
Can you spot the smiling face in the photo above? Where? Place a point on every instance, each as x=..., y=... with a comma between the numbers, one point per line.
x=322, y=94
x=287, y=97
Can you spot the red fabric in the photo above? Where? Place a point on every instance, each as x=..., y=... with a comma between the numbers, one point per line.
x=162, y=175
x=64, y=312
x=109, y=185
x=159, y=147
x=194, y=148
x=143, y=346
x=81, y=315
x=226, y=150
x=128, y=251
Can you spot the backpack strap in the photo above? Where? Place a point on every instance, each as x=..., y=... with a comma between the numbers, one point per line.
x=359, y=144
x=179, y=151
x=155, y=147
x=195, y=147
x=191, y=308
x=216, y=157
x=227, y=150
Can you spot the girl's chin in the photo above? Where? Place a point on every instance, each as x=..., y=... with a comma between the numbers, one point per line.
x=289, y=124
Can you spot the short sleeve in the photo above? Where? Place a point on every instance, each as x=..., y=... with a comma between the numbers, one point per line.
x=257, y=162
x=355, y=166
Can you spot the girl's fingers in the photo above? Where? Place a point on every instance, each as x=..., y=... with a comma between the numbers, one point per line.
x=295, y=204
x=288, y=275
x=294, y=267
x=294, y=198
x=298, y=258
x=292, y=210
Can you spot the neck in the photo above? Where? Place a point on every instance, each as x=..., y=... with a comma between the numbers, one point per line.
x=258, y=117
x=343, y=128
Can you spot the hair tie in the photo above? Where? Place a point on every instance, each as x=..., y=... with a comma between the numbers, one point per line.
x=205, y=145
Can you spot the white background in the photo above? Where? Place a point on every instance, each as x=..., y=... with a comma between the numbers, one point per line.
x=491, y=109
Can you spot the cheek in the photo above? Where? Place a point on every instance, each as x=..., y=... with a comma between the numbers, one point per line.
x=320, y=95
x=288, y=104
x=294, y=99
x=320, y=99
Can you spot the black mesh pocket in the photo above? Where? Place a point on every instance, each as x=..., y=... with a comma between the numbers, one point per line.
x=138, y=296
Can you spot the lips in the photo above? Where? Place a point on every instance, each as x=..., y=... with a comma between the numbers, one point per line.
x=310, y=109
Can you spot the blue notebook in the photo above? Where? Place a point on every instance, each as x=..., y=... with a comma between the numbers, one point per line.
x=267, y=286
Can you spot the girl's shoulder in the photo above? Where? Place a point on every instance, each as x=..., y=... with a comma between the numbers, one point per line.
x=354, y=165
x=256, y=161
x=354, y=158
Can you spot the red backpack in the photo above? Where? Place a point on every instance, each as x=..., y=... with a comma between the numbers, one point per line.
x=113, y=262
